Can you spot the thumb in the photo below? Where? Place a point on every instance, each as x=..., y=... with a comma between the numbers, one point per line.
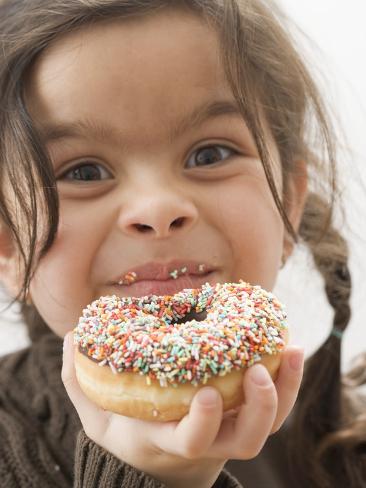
x=91, y=415
x=68, y=374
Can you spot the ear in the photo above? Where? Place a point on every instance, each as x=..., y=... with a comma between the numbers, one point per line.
x=294, y=201
x=9, y=262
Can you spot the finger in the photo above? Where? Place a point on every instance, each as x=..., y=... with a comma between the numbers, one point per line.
x=288, y=383
x=87, y=410
x=195, y=433
x=243, y=437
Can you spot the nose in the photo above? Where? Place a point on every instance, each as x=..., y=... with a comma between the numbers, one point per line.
x=160, y=213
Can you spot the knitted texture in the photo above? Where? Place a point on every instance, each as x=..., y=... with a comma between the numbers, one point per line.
x=42, y=443
x=94, y=468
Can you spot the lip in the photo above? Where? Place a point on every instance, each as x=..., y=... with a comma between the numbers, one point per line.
x=161, y=287
x=163, y=271
x=163, y=278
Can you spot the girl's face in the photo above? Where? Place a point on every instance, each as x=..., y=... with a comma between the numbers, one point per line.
x=157, y=172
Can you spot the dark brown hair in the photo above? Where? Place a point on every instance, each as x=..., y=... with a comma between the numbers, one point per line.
x=267, y=76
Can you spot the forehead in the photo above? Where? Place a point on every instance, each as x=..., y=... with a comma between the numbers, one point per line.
x=161, y=64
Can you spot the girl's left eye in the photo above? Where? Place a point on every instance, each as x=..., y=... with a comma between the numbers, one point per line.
x=86, y=172
x=209, y=155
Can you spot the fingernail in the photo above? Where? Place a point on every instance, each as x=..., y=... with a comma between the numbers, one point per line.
x=260, y=375
x=208, y=397
x=296, y=360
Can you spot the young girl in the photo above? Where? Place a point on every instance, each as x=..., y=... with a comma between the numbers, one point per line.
x=110, y=110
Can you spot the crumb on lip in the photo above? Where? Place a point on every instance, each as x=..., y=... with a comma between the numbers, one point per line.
x=131, y=276
x=128, y=279
x=174, y=274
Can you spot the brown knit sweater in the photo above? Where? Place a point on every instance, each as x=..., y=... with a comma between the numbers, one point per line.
x=42, y=443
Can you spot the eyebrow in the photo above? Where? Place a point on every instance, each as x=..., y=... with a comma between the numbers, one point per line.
x=92, y=129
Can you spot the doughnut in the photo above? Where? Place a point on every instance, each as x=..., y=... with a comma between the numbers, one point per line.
x=147, y=357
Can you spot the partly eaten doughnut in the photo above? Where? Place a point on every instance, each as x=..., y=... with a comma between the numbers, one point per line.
x=147, y=357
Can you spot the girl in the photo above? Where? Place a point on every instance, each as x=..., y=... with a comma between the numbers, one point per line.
x=110, y=110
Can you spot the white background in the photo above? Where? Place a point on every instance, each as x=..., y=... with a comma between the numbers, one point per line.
x=338, y=46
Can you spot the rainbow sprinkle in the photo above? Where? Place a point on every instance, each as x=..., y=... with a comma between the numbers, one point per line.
x=128, y=279
x=148, y=336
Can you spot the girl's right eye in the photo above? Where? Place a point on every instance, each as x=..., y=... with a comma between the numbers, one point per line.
x=86, y=172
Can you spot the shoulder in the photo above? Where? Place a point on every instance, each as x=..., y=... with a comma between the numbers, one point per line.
x=12, y=365
x=37, y=424
x=38, y=358
x=28, y=374
x=15, y=389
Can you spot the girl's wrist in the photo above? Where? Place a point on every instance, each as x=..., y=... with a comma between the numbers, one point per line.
x=177, y=472
x=193, y=476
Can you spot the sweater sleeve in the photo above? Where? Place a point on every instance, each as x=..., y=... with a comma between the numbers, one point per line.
x=97, y=468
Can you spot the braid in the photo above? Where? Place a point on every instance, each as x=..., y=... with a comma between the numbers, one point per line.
x=319, y=410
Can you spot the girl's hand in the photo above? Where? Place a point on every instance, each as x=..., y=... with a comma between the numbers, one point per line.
x=193, y=451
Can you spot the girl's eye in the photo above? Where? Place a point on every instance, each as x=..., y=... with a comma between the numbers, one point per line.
x=86, y=172
x=209, y=155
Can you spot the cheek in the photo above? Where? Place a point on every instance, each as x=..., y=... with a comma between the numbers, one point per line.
x=249, y=219
x=62, y=284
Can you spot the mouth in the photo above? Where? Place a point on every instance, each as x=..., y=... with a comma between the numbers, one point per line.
x=163, y=279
